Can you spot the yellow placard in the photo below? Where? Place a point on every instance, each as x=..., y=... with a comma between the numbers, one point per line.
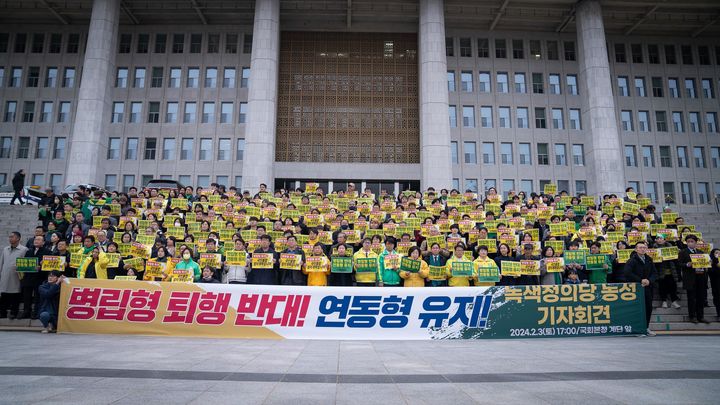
x=316, y=264
x=554, y=264
x=236, y=258
x=700, y=261
x=262, y=260
x=50, y=263
x=290, y=261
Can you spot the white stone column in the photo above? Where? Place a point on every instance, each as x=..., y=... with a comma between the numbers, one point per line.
x=604, y=151
x=89, y=139
x=262, y=97
x=434, y=122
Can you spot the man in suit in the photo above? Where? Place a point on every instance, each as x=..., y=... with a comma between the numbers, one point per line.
x=31, y=281
x=694, y=281
x=435, y=258
x=640, y=269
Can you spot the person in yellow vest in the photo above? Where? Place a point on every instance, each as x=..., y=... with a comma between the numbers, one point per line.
x=316, y=278
x=94, y=266
x=458, y=256
x=415, y=279
x=365, y=279
x=484, y=261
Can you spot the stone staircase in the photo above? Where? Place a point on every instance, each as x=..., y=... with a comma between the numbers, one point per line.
x=707, y=224
x=671, y=319
x=21, y=218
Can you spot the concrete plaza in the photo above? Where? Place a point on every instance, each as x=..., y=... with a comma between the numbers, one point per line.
x=90, y=369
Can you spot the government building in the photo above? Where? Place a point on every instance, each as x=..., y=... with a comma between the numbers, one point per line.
x=593, y=95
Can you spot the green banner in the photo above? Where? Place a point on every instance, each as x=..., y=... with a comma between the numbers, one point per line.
x=462, y=269
x=574, y=256
x=488, y=274
x=596, y=262
x=366, y=265
x=407, y=264
x=340, y=264
x=26, y=264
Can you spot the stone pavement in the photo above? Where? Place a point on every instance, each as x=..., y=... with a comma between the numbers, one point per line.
x=78, y=369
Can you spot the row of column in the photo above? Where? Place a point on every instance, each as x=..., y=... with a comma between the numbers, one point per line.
x=603, y=152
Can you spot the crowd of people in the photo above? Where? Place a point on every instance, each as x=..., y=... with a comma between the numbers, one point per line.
x=349, y=237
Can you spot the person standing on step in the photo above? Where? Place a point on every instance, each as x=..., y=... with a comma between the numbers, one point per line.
x=666, y=275
x=714, y=275
x=10, y=289
x=694, y=281
x=640, y=269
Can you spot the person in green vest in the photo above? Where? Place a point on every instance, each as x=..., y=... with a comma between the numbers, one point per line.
x=388, y=277
x=598, y=276
x=187, y=263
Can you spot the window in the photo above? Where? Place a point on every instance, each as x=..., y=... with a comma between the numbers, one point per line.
x=50, y=76
x=192, y=78
x=55, y=43
x=229, y=78
x=665, y=158
x=673, y=87
x=557, y=117
x=195, y=43
x=213, y=43
x=540, y=118
x=543, y=154
x=470, y=152
x=486, y=117
x=670, y=56
x=508, y=185
x=711, y=121
x=703, y=55
x=637, y=54
x=694, y=121
x=203, y=181
x=41, y=147
x=210, y=77
x=64, y=111
x=669, y=191
x=552, y=50
x=224, y=149
x=454, y=152
x=245, y=79
x=189, y=115
x=168, y=152
x=484, y=82
x=648, y=156
x=135, y=112
x=682, y=156
x=500, y=49
x=226, y=112
x=449, y=47
x=10, y=111
x=622, y=84
x=69, y=77
x=47, y=111
x=451, y=80
x=687, y=54
x=560, y=154
x=157, y=77
x=139, y=81
x=118, y=112
x=690, y=88
x=242, y=116
x=160, y=43
x=452, y=114
x=472, y=185
x=489, y=183
x=640, y=87
x=535, y=49
x=644, y=121
x=56, y=182
x=569, y=48
x=554, y=84
x=143, y=43
x=131, y=149
x=150, y=148
x=502, y=82
x=483, y=45
x=580, y=187
x=206, y=148
x=715, y=157
x=686, y=193
x=33, y=76
x=703, y=193
x=504, y=117
x=154, y=112
x=626, y=120
x=240, y=152
x=518, y=49
x=660, y=121
x=121, y=78
x=525, y=154
x=231, y=43
x=520, y=83
x=113, y=152
x=38, y=179
x=175, y=74
x=506, y=153
x=5, y=147
x=124, y=43
x=574, y=119
x=571, y=84
x=23, y=147
x=653, y=54
x=707, y=88
x=128, y=181
x=620, y=56
x=630, y=156
x=73, y=44
x=538, y=85
x=468, y=116
x=466, y=84
x=172, y=112
x=678, y=121
x=578, y=155
x=465, y=48
x=522, y=117
x=651, y=191
x=208, y=115
x=28, y=111
x=488, y=152
x=247, y=43
x=699, y=156
x=186, y=149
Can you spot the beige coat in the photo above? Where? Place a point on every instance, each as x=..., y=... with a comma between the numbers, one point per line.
x=9, y=278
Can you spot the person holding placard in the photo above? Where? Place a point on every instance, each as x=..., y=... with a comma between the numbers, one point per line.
x=482, y=265
x=505, y=255
x=389, y=264
x=694, y=280
x=343, y=279
x=31, y=281
x=436, y=261
x=597, y=276
x=618, y=268
x=162, y=257
x=548, y=273
x=94, y=266
x=458, y=269
x=291, y=262
x=411, y=277
x=114, y=266
x=317, y=267
x=666, y=275
x=365, y=276
x=236, y=263
x=188, y=265
x=265, y=276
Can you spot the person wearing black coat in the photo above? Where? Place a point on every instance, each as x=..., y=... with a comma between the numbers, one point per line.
x=18, y=182
x=31, y=281
x=695, y=282
x=640, y=269
x=265, y=276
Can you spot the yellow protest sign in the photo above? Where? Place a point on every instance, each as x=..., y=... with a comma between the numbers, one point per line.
x=554, y=264
x=213, y=260
x=290, y=261
x=700, y=261
x=436, y=273
x=550, y=189
x=262, y=260
x=126, y=278
x=530, y=267
x=236, y=257
x=623, y=255
x=316, y=264
x=113, y=259
x=154, y=270
x=510, y=268
x=50, y=263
